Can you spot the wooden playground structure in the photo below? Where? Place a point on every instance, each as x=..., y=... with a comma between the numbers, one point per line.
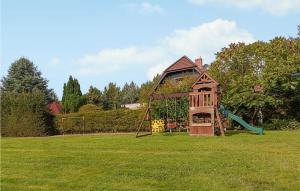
x=204, y=99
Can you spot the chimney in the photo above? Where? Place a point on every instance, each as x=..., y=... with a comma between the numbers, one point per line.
x=198, y=62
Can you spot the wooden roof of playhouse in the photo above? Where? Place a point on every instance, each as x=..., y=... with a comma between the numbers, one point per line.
x=204, y=80
x=187, y=66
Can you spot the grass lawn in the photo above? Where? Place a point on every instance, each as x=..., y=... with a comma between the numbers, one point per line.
x=240, y=161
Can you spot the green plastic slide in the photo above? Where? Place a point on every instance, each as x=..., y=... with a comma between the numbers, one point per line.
x=236, y=118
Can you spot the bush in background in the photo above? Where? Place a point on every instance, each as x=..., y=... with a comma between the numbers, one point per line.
x=89, y=108
x=282, y=124
x=25, y=114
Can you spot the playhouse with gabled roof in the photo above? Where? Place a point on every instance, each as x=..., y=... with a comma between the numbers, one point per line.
x=204, y=117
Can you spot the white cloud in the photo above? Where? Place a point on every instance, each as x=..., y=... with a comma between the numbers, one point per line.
x=126, y=55
x=276, y=7
x=146, y=7
x=206, y=39
x=111, y=60
x=157, y=69
x=55, y=62
x=203, y=40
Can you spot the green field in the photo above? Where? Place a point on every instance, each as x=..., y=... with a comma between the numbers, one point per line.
x=239, y=161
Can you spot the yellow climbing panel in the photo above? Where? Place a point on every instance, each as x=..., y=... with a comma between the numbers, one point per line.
x=158, y=126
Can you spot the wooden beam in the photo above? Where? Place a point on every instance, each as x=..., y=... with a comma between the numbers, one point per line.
x=142, y=122
x=147, y=113
x=168, y=96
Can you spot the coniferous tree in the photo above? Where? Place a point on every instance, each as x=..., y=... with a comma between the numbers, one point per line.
x=52, y=96
x=72, y=97
x=130, y=93
x=94, y=96
x=24, y=99
x=24, y=77
x=111, y=96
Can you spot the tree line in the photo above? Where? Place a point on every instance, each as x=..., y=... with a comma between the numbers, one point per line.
x=25, y=97
x=112, y=97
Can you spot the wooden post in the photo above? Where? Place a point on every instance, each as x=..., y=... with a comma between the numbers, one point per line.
x=62, y=124
x=83, y=123
x=148, y=112
x=141, y=124
x=175, y=112
x=150, y=119
x=220, y=122
x=201, y=100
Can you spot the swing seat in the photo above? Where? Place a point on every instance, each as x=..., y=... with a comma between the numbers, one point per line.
x=171, y=125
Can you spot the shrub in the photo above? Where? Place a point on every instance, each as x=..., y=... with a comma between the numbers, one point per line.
x=89, y=108
x=119, y=120
x=25, y=114
x=282, y=124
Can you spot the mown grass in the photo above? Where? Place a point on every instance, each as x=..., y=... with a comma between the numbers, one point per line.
x=240, y=161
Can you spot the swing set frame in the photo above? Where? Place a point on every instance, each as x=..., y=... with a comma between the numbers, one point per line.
x=147, y=115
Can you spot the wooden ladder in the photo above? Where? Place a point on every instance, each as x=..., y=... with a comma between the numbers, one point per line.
x=220, y=122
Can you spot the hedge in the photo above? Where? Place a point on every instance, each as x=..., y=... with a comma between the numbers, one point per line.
x=25, y=115
x=282, y=124
x=119, y=120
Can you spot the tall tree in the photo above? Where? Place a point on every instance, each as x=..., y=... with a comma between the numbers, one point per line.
x=72, y=97
x=23, y=76
x=130, y=93
x=146, y=88
x=257, y=77
x=53, y=96
x=111, y=96
x=24, y=99
x=94, y=96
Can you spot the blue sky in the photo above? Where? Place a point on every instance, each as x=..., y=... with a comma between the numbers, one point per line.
x=122, y=41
